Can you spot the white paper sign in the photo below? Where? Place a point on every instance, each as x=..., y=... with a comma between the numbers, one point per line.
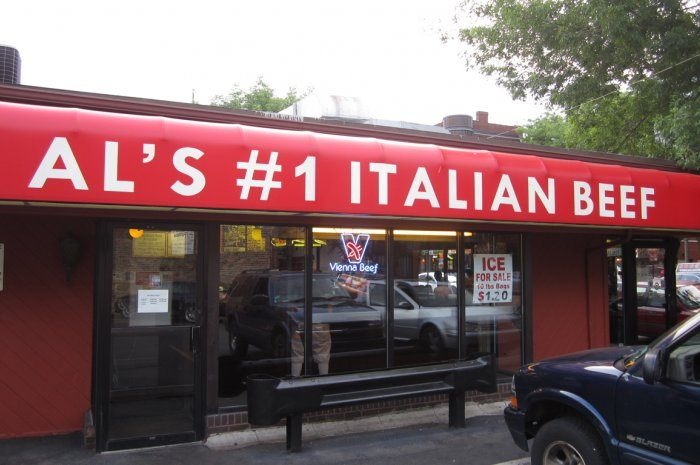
x=493, y=278
x=182, y=243
x=2, y=264
x=153, y=301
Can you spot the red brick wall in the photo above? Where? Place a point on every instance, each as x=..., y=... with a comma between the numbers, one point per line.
x=569, y=302
x=45, y=327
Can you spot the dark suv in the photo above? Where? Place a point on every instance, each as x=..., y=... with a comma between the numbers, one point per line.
x=265, y=308
x=618, y=405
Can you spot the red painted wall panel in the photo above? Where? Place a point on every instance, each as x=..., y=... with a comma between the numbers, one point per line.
x=45, y=326
x=568, y=298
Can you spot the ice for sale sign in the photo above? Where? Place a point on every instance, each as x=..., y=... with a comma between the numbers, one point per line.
x=493, y=278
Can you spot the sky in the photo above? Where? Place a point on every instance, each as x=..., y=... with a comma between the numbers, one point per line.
x=388, y=53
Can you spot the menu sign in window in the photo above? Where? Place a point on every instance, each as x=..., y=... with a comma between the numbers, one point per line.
x=493, y=278
x=151, y=244
x=164, y=244
x=152, y=301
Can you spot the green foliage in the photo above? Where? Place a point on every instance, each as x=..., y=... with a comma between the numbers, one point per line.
x=626, y=73
x=550, y=129
x=621, y=123
x=259, y=97
x=680, y=130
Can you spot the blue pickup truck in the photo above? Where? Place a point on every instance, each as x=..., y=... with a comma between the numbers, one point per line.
x=614, y=406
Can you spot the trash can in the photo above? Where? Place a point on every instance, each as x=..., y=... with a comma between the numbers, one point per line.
x=261, y=399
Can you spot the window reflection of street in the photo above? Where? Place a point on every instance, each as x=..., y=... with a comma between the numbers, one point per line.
x=262, y=304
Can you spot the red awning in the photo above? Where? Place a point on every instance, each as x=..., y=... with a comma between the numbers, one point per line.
x=84, y=157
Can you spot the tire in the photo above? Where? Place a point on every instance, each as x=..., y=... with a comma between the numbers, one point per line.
x=191, y=314
x=567, y=441
x=279, y=344
x=431, y=339
x=236, y=344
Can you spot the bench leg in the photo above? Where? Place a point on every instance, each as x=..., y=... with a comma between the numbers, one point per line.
x=294, y=432
x=457, y=410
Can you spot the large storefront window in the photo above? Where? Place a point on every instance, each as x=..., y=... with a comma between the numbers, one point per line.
x=348, y=324
x=425, y=297
x=261, y=303
x=271, y=295
x=493, y=297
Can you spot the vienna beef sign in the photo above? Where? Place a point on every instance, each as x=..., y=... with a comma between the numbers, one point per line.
x=84, y=157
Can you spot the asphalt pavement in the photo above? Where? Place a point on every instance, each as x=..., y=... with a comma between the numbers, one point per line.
x=416, y=437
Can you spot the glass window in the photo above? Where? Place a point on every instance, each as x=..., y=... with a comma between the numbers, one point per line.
x=688, y=278
x=425, y=297
x=493, y=297
x=261, y=303
x=348, y=310
x=615, y=300
x=684, y=362
x=651, y=293
x=155, y=278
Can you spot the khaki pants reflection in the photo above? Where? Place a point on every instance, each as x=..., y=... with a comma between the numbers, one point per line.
x=321, y=346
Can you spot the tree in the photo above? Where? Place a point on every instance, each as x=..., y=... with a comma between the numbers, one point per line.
x=550, y=129
x=625, y=73
x=259, y=97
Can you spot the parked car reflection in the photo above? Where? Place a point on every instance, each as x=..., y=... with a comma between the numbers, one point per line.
x=266, y=309
x=651, y=307
x=430, y=319
x=688, y=279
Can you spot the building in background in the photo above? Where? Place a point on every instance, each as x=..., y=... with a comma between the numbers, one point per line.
x=354, y=110
x=10, y=65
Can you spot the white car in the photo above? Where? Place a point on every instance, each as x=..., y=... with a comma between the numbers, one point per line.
x=428, y=279
x=421, y=315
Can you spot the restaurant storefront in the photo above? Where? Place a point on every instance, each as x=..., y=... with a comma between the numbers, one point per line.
x=153, y=257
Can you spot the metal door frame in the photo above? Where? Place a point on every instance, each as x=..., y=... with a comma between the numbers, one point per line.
x=102, y=337
x=629, y=283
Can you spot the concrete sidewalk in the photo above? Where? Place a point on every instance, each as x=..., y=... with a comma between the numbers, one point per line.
x=416, y=437
x=424, y=416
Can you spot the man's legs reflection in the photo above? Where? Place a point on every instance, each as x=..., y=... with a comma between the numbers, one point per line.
x=321, y=349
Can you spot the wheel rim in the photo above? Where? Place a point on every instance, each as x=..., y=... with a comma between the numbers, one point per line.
x=562, y=453
x=123, y=308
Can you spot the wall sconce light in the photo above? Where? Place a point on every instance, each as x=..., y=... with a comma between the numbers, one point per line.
x=70, y=254
x=135, y=233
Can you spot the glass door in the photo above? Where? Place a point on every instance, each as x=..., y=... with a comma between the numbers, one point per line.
x=155, y=306
x=652, y=305
x=648, y=282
